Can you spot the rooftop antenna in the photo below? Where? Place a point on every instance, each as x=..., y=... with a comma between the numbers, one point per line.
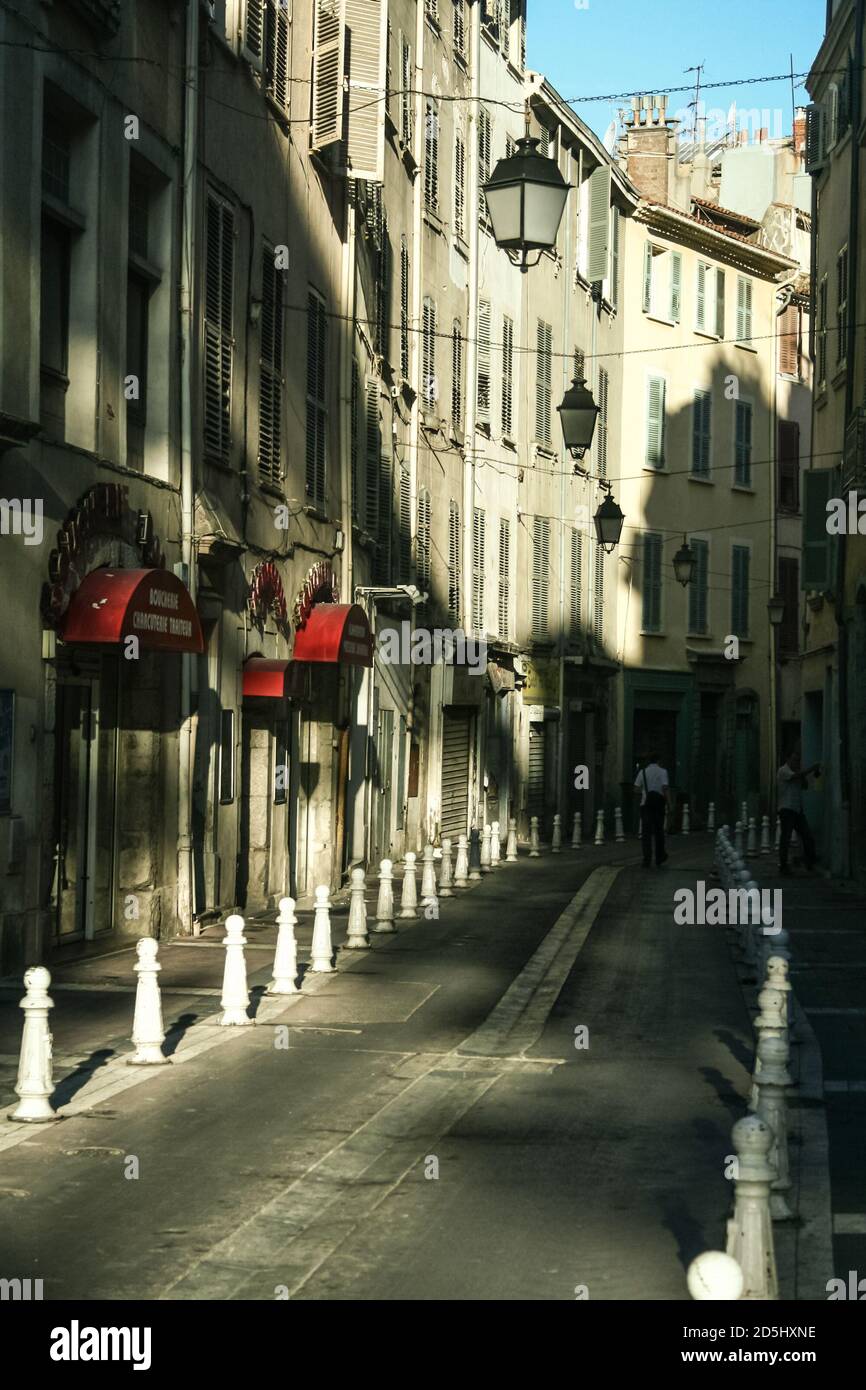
x=698, y=68
x=793, y=102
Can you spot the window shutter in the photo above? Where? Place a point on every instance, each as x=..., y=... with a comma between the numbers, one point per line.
x=655, y=445
x=743, y=444
x=575, y=578
x=354, y=408
x=271, y=371
x=373, y=451
x=701, y=311
x=676, y=286
x=383, y=571
x=789, y=465
x=277, y=53
x=424, y=546
x=431, y=157
x=457, y=375
x=701, y=434
x=478, y=557
x=484, y=156
x=404, y=308
x=613, y=289
x=647, y=278
x=598, y=598
x=507, y=377
x=367, y=24
x=789, y=355
x=454, y=567
x=720, y=303
x=405, y=91
x=328, y=52
x=316, y=388
x=253, y=34
x=429, y=383
x=405, y=555
x=744, y=310
x=219, y=341
x=483, y=403
x=504, y=578
x=601, y=427
x=652, y=582
x=698, y=589
x=599, y=223
x=740, y=591
x=459, y=185
x=814, y=137
x=540, y=576
x=544, y=342
x=460, y=28
x=817, y=549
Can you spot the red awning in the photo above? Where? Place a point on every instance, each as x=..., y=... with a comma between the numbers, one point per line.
x=152, y=605
x=265, y=679
x=335, y=632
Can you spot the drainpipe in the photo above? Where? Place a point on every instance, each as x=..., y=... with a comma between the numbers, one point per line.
x=472, y=345
x=564, y=457
x=185, y=903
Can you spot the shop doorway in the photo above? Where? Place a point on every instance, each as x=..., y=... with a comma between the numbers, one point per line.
x=383, y=786
x=82, y=890
x=457, y=729
x=655, y=731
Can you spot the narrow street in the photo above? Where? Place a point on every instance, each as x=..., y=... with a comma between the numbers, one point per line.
x=431, y=1132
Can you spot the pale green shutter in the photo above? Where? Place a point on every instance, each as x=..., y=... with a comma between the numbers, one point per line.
x=647, y=278
x=599, y=223
x=652, y=582
x=701, y=434
x=740, y=590
x=676, y=286
x=655, y=442
x=698, y=589
x=720, y=303
x=701, y=311
x=815, y=573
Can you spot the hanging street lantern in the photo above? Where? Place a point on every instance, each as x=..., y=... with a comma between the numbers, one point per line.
x=578, y=414
x=609, y=521
x=776, y=610
x=684, y=564
x=526, y=197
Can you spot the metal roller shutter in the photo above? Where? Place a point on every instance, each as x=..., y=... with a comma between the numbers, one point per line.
x=535, y=804
x=455, y=771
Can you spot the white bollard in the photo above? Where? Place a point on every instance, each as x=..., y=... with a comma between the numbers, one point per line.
x=770, y=1023
x=34, y=1084
x=534, y=851
x=738, y=838
x=772, y=1080
x=778, y=833
x=556, y=847
x=409, y=896
x=357, y=939
x=744, y=814
x=428, y=876
x=511, y=843
x=685, y=828
x=148, y=1034
x=461, y=872
x=765, y=835
x=446, y=873
x=322, y=948
x=485, y=850
x=617, y=820
x=715, y=1275
x=599, y=828
x=750, y=1229
x=235, y=996
x=752, y=840
x=577, y=831
x=495, y=845
x=777, y=978
x=385, y=901
x=711, y=816
x=286, y=955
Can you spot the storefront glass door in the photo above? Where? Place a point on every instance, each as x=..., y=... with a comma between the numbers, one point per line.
x=86, y=747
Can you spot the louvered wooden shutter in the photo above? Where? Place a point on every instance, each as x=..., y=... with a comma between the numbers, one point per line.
x=652, y=582
x=372, y=451
x=271, y=371
x=744, y=310
x=613, y=288
x=575, y=576
x=484, y=156
x=676, y=286
x=483, y=400
x=701, y=434
x=540, y=576
x=253, y=33
x=404, y=308
x=544, y=342
x=424, y=545
x=720, y=303
x=383, y=288
x=277, y=22
x=698, y=589
x=599, y=223
x=740, y=591
x=316, y=388
x=816, y=573
x=602, y=424
x=743, y=444
x=789, y=333
x=367, y=25
x=405, y=556
x=405, y=91
x=385, y=528
x=219, y=311
x=354, y=408
x=508, y=377
x=647, y=278
x=328, y=58
x=655, y=437
x=459, y=184
x=454, y=548
x=431, y=157
x=429, y=383
x=701, y=310
x=457, y=375
x=460, y=27
x=789, y=589
x=789, y=465
x=504, y=605
x=479, y=550
x=598, y=598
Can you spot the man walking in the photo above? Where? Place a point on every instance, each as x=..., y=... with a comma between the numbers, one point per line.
x=652, y=781
x=790, y=783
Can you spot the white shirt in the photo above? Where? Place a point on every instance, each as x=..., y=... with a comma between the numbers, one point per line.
x=789, y=789
x=656, y=780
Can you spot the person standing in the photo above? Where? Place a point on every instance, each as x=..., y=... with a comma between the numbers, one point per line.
x=790, y=784
x=652, y=782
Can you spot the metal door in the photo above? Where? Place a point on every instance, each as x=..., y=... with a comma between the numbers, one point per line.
x=456, y=745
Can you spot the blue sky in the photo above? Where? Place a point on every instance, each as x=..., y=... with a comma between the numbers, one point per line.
x=590, y=47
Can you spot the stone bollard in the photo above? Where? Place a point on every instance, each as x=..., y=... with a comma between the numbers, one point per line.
x=715, y=1275
x=599, y=828
x=446, y=873
x=461, y=872
x=148, y=1034
x=738, y=838
x=322, y=949
x=618, y=830
x=428, y=877
x=495, y=845
x=770, y=1023
x=686, y=826
x=474, y=854
x=34, y=1084
x=235, y=996
x=772, y=1080
x=778, y=833
x=556, y=843
x=711, y=816
x=752, y=840
x=765, y=835
x=357, y=939
x=511, y=843
x=744, y=814
x=775, y=945
x=534, y=851
x=385, y=901
x=577, y=831
x=777, y=978
x=750, y=1229
x=486, y=852
x=286, y=955
x=409, y=896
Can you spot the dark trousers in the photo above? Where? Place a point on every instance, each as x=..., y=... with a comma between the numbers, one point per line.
x=791, y=821
x=652, y=815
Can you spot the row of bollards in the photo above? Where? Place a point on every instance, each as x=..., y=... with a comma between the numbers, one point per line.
x=761, y=1173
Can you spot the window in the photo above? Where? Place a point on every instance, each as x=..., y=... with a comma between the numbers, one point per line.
x=655, y=432
x=789, y=342
x=55, y=262
x=328, y=53
x=789, y=465
x=424, y=542
x=354, y=442
x=405, y=91
x=483, y=398
x=648, y=258
x=819, y=548
x=460, y=185
x=457, y=375
x=478, y=559
x=842, y=305
x=710, y=300
x=662, y=294
x=404, y=556
x=431, y=158
x=454, y=566
x=484, y=158
x=701, y=423
x=504, y=607
x=404, y=307
x=508, y=377
x=383, y=288
x=740, y=557
x=517, y=33
x=598, y=598
x=459, y=28
x=429, y=384
x=317, y=414
x=789, y=590
x=138, y=290
x=699, y=587
x=382, y=566
x=676, y=304
x=651, y=615
x=601, y=427
x=544, y=344
x=277, y=76
x=540, y=576
x=744, y=310
x=218, y=335
x=431, y=9
x=821, y=334
x=613, y=282
x=575, y=573
x=372, y=455
x=743, y=444
x=271, y=371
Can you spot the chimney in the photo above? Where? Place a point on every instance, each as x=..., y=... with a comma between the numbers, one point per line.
x=650, y=146
x=800, y=131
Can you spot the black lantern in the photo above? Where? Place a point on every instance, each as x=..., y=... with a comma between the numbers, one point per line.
x=526, y=197
x=578, y=414
x=684, y=564
x=776, y=610
x=609, y=521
